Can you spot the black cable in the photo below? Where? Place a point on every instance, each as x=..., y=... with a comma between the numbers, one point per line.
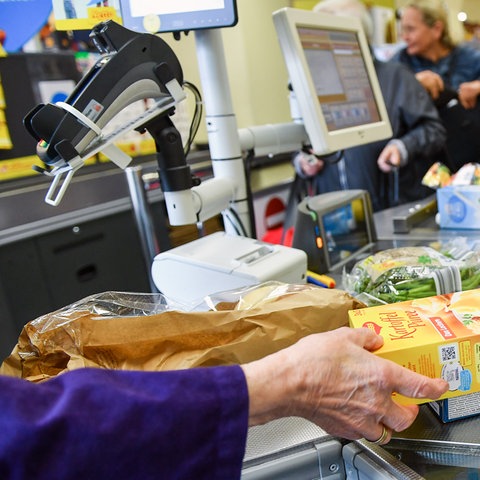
x=332, y=158
x=197, y=115
x=237, y=231
x=242, y=230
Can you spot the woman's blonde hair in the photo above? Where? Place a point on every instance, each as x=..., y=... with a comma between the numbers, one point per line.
x=433, y=11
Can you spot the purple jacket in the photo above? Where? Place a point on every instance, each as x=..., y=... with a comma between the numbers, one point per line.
x=93, y=423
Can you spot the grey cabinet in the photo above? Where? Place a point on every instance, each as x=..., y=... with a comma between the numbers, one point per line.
x=43, y=273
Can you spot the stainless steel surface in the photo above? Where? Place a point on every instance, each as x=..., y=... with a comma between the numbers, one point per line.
x=428, y=427
x=279, y=435
x=421, y=224
x=295, y=449
x=440, y=451
x=405, y=220
x=368, y=457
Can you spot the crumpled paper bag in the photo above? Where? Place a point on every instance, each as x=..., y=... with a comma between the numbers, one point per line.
x=144, y=332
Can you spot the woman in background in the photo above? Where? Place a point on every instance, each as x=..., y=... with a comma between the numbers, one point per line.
x=449, y=73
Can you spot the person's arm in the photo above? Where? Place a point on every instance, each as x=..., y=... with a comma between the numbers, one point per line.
x=432, y=82
x=333, y=380
x=415, y=122
x=467, y=75
x=468, y=93
x=93, y=423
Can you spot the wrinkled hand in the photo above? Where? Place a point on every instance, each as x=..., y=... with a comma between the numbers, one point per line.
x=432, y=82
x=333, y=380
x=389, y=158
x=468, y=93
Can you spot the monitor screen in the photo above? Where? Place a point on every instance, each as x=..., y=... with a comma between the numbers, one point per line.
x=334, y=228
x=155, y=16
x=333, y=78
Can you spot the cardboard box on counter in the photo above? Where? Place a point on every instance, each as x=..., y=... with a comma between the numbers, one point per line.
x=459, y=206
x=436, y=336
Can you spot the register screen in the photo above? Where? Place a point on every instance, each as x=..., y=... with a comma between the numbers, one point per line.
x=146, y=7
x=340, y=77
x=176, y=15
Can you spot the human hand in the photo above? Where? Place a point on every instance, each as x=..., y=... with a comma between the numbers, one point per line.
x=389, y=158
x=333, y=380
x=468, y=93
x=310, y=164
x=431, y=81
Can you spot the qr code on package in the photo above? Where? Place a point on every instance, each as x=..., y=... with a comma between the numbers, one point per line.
x=449, y=353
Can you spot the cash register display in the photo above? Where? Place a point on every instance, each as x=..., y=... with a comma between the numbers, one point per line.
x=334, y=228
x=333, y=79
x=155, y=16
x=346, y=232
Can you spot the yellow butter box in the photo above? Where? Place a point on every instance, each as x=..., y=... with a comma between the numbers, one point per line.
x=436, y=336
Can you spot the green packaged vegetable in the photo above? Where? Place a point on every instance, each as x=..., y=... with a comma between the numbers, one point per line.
x=400, y=274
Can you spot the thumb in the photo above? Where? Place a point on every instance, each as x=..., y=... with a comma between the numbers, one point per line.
x=414, y=385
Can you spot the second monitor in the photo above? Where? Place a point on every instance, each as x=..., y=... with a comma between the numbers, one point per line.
x=333, y=78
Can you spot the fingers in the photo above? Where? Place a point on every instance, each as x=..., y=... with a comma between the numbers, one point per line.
x=413, y=385
x=399, y=417
x=404, y=381
x=467, y=101
x=310, y=164
x=468, y=93
x=367, y=338
x=389, y=158
x=431, y=81
x=384, y=437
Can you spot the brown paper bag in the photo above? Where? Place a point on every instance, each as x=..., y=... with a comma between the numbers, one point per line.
x=100, y=331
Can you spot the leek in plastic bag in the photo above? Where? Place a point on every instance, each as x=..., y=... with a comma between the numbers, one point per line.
x=407, y=273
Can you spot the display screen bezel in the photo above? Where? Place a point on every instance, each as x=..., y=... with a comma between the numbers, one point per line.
x=289, y=23
x=162, y=18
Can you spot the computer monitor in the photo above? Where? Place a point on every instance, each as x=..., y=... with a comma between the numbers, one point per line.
x=156, y=16
x=333, y=78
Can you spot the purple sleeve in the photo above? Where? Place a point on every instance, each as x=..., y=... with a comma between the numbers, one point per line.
x=93, y=423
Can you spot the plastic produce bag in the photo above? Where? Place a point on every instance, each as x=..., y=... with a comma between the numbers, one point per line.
x=145, y=332
x=407, y=273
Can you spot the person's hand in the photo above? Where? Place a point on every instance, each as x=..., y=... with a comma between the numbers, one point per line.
x=468, y=93
x=310, y=164
x=389, y=158
x=432, y=82
x=333, y=380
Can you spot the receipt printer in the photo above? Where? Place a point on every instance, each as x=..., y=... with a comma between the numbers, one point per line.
x=220, y=262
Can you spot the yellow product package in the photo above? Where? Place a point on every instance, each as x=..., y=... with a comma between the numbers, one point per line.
x=436, y=336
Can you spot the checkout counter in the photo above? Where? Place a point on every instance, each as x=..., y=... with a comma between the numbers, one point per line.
x=294, y=448
x=98, y=211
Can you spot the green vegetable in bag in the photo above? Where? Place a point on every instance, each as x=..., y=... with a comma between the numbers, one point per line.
x=400, y=274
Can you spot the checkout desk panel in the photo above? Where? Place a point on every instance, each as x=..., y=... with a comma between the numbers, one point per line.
x=43, y=273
